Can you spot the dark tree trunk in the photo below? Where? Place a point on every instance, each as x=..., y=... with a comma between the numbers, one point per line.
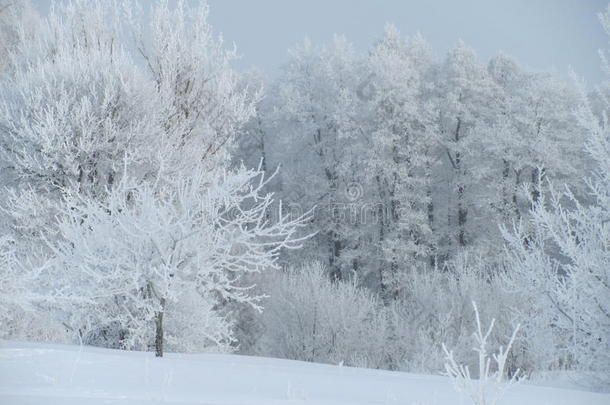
x=505, y=196
x=159, y=330
x=462, y=211
x=537, y=176
x=335, y=243
x=515, y=201
x=335, y=268
x=430, y=207
x=462, y=217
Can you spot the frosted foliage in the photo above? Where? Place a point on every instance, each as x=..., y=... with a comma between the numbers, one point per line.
x=117, y=124
x=309, y=318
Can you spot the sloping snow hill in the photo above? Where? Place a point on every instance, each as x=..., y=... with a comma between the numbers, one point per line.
x=34, y=373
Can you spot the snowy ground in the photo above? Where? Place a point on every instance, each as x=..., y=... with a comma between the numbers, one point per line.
x=32, y=373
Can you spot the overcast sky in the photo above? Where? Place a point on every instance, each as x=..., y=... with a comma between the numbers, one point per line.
x=541, y=34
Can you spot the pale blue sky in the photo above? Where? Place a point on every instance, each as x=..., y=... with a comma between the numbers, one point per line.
x=541, y=34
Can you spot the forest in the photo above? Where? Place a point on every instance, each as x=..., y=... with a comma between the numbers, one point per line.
x=349, y=210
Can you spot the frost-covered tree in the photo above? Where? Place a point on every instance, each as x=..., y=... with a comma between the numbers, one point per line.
x=134, y=257
x=314, y=108
x=355, y=141
x=116, y=127
x=560, y=261
x=397, y=155
x=464, y=94
x=82, y=99
x=17, y=19
x=73, y=104
x=527, y=131
x=20, y=294
x=13, y=283
x=203, y=103
x=256, y=142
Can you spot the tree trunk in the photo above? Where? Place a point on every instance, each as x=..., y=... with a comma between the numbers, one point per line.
x=515, y=201
x=505, y=196
x=430, y=212
x=462, y=216
x=432, y=256
x=335, y=268
x=462, y=211
x=537, y=176
x=159, y=330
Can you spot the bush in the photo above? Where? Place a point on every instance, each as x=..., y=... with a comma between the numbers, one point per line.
x=435, y=308
x=308, y=317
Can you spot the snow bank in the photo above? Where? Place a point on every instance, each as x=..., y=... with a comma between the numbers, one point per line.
x=35, y=373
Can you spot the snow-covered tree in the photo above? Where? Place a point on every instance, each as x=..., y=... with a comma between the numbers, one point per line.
x=133, y=257
x=256, y=142
x=81, y=98
x=533, y=125
x=560, y=261
x=464, y=93
x=21, y=297
x=203, y=103
x=397, y=154
x=13, y=283
x=314, y=108
x=18, y=19
x=116, y=128
x=561, y=258
x=366, y=125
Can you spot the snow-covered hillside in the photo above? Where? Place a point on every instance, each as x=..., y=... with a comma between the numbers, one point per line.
x=32, y=373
